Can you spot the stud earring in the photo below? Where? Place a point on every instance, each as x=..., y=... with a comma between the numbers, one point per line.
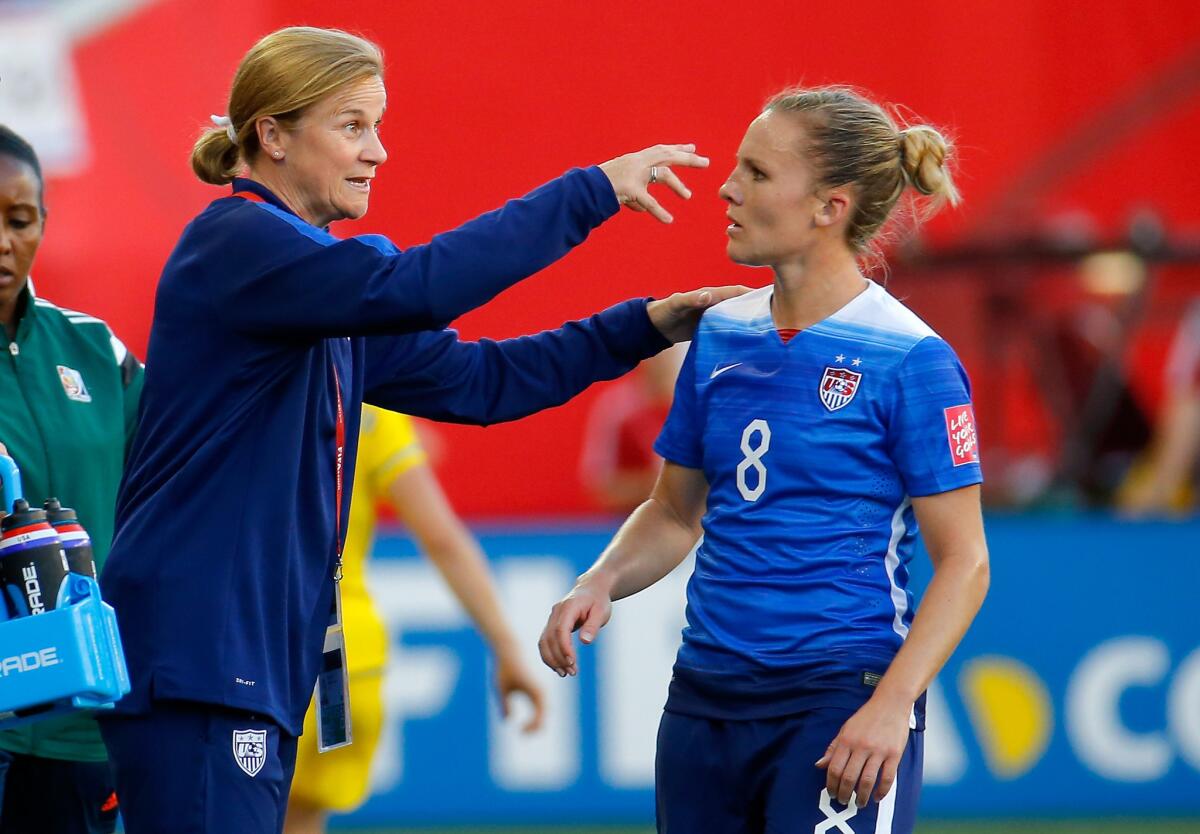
x=277, y=154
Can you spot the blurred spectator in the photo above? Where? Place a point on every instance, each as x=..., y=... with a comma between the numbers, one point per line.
x=1104, y=426
x=1076, y=340
x=1165, y=483
x=619, y=465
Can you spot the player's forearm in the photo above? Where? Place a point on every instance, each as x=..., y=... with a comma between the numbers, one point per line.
x=461, y=563
x=950, y=604
x=650, y=544
x=449, y=545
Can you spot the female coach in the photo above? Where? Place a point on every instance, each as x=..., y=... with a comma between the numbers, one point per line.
x=268, y=335
x=816, y=422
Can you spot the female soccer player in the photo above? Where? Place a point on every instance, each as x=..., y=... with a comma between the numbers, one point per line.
x=268, y=335
x=816, y=422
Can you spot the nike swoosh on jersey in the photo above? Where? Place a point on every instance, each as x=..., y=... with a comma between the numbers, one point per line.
x=718, y=371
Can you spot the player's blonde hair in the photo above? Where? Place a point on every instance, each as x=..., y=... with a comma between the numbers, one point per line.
x=284, y=73
x=853, y=141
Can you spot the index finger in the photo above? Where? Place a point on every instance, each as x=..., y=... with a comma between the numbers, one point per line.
x=719, y=294
x=837, y=759
x=676, y=155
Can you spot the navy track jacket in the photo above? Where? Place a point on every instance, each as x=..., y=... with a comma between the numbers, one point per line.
x=221, y=571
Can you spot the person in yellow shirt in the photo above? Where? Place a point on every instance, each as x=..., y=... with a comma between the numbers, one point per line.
x=392, y=467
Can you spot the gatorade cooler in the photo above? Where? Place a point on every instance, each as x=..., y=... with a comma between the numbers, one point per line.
x=59, y=646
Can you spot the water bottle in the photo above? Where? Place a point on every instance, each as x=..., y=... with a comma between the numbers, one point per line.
x=10, y=483
x=76, y=543
x=32, y=562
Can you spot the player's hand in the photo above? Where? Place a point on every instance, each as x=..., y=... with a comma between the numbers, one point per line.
x=867, y=751
x=586, y=608
x=632, y=175
x=677, y=315
x=513, y=676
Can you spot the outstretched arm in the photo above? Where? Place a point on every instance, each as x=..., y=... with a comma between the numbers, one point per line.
x=294, y=280
x=657, y=536
x=864, y=757
x=435, y=375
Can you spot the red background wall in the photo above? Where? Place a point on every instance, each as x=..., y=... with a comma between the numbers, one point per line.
x=488, y=99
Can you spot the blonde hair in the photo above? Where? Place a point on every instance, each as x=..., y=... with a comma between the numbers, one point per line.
x=283, y=74
x=853, y=141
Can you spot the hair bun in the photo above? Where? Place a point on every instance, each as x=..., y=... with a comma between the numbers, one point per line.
x=923, y=154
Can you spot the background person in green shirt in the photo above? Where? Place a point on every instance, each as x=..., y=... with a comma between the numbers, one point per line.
x=68, y=403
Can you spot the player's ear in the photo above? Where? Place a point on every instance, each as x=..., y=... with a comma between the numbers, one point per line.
x=835, y=206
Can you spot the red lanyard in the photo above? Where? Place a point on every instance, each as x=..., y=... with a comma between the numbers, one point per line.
x=339, y=461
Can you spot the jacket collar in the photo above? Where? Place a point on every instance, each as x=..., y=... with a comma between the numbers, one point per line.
x=241, y=184
x=25, y=314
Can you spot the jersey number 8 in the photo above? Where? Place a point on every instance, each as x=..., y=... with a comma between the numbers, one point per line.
x=753, y=459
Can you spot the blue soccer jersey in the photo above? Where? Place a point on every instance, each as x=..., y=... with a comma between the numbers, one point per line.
x=812, y=450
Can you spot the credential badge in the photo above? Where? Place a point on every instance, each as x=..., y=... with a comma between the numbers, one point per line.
x=838, y=387
x=250, y=750
x=73, y=384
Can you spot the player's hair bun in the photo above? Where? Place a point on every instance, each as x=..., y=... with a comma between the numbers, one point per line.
x=923, y=153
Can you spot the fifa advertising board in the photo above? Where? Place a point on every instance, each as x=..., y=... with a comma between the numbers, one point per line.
x=1077, y=691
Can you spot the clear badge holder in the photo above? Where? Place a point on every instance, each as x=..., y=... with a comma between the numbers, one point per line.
x=332, y=696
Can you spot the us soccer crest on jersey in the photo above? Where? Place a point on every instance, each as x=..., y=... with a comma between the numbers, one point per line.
x=838, y=387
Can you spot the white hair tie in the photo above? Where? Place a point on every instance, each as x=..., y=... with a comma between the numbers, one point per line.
x=227, y=123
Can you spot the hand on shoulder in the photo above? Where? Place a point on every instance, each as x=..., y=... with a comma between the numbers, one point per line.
x=677, y=315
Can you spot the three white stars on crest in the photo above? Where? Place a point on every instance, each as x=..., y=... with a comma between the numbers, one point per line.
x=841, y=357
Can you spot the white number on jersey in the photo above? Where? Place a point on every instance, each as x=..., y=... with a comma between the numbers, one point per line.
x=753, y=459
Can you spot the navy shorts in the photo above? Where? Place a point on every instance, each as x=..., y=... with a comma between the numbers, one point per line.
x=66, y=797
x=191, y=768
x=758, y=777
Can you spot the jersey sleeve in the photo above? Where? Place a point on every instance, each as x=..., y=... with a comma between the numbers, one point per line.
x=932, y=435
x=388, y=447
x=680, y=438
